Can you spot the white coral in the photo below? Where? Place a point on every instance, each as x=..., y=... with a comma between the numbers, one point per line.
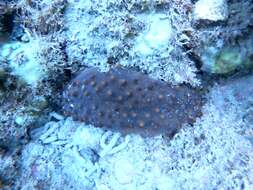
x=111, y=148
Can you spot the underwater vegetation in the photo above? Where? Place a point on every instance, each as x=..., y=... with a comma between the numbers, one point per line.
x=130, y=102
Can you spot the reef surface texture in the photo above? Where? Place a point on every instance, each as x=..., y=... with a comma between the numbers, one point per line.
x=127, y=101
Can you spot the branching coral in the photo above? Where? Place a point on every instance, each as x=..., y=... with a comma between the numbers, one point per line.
x=110, y=148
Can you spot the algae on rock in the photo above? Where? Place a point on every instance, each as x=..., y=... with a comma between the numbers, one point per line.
x=228, y=59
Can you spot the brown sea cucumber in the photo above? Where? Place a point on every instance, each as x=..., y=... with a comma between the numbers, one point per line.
x=127, y=101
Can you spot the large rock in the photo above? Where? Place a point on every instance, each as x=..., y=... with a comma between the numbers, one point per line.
x=212, y=10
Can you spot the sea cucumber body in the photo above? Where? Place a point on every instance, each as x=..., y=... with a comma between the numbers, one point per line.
x=130, y=102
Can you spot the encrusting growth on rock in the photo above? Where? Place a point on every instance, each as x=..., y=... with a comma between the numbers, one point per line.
x=127, y=101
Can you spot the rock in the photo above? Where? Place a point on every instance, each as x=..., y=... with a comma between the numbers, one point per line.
x=228, y=59
x=211, y=10
x=157, y=35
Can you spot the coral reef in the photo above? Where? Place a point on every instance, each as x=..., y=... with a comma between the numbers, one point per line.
x=29, y=54
x=147, y=35
x=176, y=44
x=215, y=153
x=230, y=35
x=22, y=59
x=130, y=102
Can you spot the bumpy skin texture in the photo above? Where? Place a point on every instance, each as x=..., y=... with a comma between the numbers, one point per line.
x=130, y=102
